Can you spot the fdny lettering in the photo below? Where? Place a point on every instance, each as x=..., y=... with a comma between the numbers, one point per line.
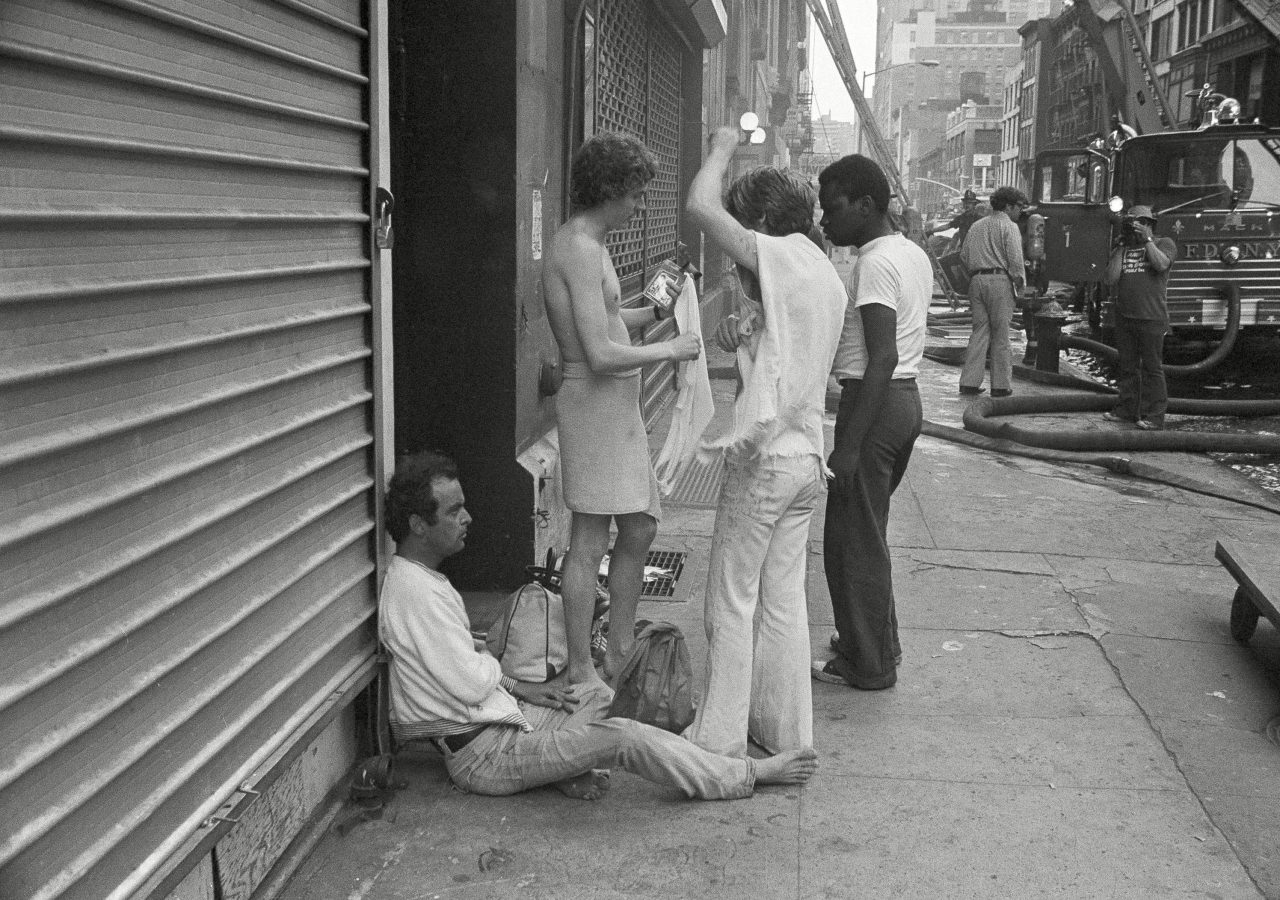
x=1248, y=250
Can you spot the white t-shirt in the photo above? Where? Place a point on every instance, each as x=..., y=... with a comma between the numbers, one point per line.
x=441, y=682
x=892, y=271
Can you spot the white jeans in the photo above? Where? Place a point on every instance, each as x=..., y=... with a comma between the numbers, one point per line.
x=757, y=680
x=503, y=760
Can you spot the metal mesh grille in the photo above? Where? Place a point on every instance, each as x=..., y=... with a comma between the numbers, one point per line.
x=637, y=92
x=663, y=586
x=662, y=219
x=622, y=38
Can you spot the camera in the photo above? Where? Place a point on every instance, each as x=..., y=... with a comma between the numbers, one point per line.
x=1129, y=231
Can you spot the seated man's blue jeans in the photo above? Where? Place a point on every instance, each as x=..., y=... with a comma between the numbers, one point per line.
x=503, y=760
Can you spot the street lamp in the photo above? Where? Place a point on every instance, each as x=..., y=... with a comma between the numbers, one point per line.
x=749, y=125
x=940, y=184
x=926, y=63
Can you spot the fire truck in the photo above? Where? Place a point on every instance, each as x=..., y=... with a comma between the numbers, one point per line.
x=1215, y=190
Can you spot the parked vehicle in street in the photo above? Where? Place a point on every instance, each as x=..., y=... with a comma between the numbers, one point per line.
x=1215, y=190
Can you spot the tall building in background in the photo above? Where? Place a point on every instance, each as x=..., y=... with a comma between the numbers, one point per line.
x=974, y=43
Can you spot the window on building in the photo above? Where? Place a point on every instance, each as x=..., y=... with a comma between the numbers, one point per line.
x=1194, y=20
x=1160, y=31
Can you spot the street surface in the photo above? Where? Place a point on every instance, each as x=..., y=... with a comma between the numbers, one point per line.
x=1072, y=719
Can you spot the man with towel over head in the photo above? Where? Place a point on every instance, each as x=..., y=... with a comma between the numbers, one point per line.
x=604, y=449
x=785, y=335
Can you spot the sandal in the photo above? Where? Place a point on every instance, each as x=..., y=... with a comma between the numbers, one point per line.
x=827, y=673
x=835, y=671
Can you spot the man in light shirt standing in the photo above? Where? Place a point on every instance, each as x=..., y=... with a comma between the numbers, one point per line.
x=992, y=255
x=879, y=419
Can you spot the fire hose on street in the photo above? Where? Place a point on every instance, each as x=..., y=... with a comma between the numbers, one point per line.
x=1230, y=292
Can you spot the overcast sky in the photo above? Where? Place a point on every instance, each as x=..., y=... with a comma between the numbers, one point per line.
x=829, y=94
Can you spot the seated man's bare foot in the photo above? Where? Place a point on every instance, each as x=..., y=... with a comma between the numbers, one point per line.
x=790, y=767
x=588, y=786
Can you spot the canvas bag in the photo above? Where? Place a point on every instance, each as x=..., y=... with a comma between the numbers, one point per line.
x=655, y=685
x=528, y=637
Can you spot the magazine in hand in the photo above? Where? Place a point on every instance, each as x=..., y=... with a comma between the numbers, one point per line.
x=668, y=275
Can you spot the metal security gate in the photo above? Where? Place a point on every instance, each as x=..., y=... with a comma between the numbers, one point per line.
x=188, y=311
x=637, y=91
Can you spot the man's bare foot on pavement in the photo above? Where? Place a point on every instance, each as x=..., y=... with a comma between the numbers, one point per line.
x=588, y=786
x=791, y=767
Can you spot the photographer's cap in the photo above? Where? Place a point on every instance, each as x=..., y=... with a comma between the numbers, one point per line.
x=1142, y=212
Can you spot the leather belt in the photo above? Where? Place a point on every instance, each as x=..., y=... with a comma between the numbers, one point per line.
x=455, y=742
x=988, y=271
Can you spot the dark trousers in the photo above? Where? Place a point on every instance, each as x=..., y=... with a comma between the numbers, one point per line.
x=855, y=539
x=1143, y=393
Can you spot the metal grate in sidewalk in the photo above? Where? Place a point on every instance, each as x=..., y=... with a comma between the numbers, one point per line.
x=663, y=585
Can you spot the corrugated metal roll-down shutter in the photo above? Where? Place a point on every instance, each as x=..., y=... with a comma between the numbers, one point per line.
x=637, y=91
x=187, y=561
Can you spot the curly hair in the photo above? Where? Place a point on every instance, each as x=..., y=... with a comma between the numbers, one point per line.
x=409, y=491
x=857, y=176
x=1004, y=197
x=779, y=200
x=608, y=166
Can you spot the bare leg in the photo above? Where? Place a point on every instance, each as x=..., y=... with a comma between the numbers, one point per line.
x=588, y=541
x=636, y=532
x=792, y=767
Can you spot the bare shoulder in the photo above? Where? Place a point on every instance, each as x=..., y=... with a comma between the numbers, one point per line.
x=571, y=248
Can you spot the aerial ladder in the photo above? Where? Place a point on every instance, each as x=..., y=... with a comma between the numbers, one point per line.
x=831, y=25
x=1135, y=95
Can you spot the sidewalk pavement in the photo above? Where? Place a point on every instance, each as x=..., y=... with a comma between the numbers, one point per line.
x=1071, y=719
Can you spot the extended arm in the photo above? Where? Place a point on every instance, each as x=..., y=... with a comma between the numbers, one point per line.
x=637, y=317
x=556, y=694
x=578, y=264
x=706, y=210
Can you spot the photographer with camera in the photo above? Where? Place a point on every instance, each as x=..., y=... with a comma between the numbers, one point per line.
x=1139, y=267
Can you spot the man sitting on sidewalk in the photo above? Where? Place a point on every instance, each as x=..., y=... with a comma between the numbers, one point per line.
x=498, y=735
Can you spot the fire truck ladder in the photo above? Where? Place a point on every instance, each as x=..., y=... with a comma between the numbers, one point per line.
x=1117, y=85
x=833, y=32
x=832, y=28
